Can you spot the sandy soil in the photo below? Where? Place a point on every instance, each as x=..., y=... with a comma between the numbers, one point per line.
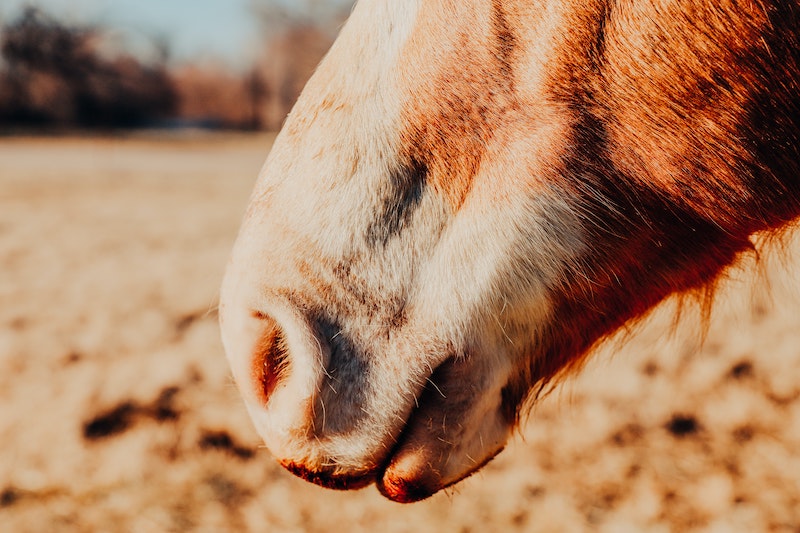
x=119, y=413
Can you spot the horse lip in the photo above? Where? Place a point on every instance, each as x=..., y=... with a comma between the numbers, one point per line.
x=405, y=490
x=414, y=489
x=330, y=479
x=400, y=489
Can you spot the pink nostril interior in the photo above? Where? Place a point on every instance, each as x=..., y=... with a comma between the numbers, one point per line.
x=270, y=358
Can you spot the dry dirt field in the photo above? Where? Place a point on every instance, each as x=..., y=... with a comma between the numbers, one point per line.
x=118, y=412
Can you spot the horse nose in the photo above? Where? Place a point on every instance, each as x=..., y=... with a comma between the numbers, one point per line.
x=270, y=359
x=278, y=361
x=283, y=364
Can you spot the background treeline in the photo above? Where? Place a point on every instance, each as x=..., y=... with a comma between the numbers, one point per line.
x=59, y=76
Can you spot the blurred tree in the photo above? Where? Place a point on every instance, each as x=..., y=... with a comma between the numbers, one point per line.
x=55, y=75
x=212, y=96
x=257, y=90
x=296, y=38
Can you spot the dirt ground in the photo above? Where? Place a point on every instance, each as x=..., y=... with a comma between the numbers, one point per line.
x=118, y=413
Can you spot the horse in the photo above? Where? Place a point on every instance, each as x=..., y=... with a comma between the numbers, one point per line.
x=470, y=195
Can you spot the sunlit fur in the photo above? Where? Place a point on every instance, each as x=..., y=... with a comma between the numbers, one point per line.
x=470, y=194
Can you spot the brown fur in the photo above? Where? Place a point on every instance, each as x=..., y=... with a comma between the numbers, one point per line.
x=684, y=142
x=461, y=103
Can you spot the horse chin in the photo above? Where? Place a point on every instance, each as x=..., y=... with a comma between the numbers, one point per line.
x=406, y=478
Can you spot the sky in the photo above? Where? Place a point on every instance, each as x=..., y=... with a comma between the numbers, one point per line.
x=223, y=29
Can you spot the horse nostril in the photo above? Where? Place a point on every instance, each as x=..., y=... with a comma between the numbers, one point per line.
x=270, y=358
